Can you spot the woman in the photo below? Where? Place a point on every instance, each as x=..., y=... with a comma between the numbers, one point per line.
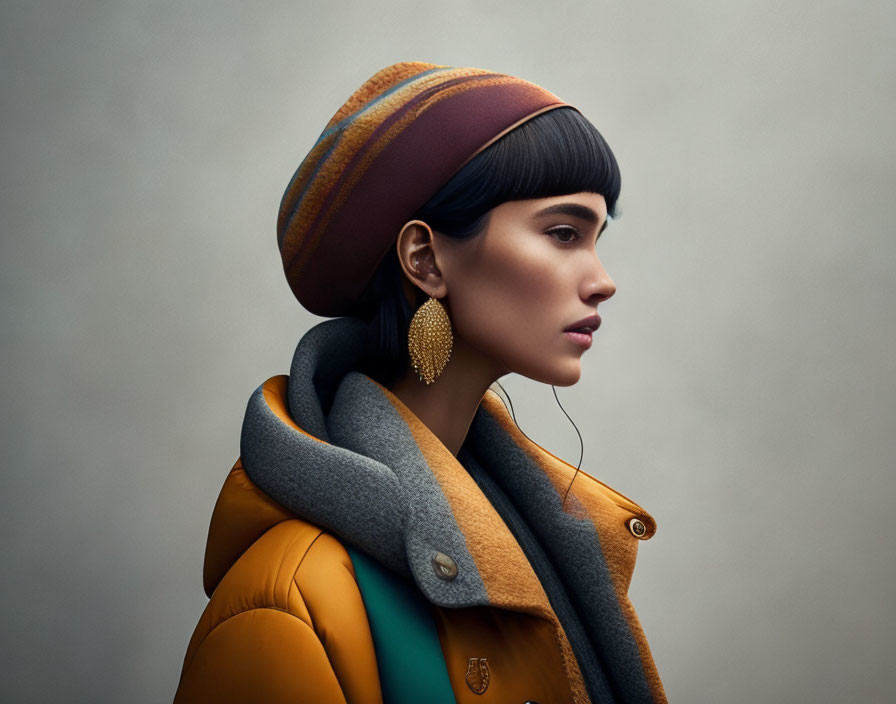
x=388, y=533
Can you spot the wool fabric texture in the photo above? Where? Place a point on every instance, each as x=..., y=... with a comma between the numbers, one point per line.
x=393, y=144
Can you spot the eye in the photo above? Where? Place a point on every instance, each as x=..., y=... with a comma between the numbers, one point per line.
x=560, y=233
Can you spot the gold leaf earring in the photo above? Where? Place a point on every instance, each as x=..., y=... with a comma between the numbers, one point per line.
x=430, y=340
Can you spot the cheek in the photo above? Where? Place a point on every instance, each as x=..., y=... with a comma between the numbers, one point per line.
x=509, y=304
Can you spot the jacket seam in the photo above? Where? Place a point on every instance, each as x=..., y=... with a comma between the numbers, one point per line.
x=295, y=539
x=295, y=584
x=246, y=611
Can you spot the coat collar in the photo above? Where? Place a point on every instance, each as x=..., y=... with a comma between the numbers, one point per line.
x=340, y=450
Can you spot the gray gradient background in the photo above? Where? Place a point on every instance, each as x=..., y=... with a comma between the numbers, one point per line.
x=741, y=387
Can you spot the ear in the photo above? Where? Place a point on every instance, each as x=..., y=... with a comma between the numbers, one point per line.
x=418, y=255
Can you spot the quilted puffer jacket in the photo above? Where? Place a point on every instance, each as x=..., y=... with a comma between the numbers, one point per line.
x=527, y=596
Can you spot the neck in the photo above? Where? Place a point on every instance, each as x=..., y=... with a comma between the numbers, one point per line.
x=448, y=405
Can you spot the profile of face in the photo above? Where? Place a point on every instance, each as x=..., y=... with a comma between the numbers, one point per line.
x=513, y=291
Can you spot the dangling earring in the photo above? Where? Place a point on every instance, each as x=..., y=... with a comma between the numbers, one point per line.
x=430, y=340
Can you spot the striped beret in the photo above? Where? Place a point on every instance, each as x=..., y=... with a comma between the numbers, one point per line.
x=393, y=144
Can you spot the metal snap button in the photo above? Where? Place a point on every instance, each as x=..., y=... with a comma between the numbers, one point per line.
x=637, y=527
x=445, y=568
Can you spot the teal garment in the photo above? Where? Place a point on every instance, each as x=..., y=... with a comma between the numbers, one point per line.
x=408, y=652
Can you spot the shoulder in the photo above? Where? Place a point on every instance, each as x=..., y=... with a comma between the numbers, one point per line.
x=287, y=612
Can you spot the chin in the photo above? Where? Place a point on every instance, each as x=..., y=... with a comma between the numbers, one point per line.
x=565, y=375
x=568, y=379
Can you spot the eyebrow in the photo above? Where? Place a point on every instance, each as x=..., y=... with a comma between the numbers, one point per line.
x=575, y=210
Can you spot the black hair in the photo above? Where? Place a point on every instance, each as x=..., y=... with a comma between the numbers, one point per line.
x=555, y=153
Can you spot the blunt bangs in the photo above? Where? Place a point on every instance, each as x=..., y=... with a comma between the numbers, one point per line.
x=555, y=153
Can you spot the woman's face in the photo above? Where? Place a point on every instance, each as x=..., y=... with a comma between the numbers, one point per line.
x=533, y=273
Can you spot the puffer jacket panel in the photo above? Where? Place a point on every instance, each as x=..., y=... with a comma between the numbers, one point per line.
x=286, y=623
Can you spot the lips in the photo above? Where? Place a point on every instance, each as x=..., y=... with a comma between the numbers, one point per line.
x=585, y=325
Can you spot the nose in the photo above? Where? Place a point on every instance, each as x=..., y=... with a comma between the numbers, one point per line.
x=597, y=285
